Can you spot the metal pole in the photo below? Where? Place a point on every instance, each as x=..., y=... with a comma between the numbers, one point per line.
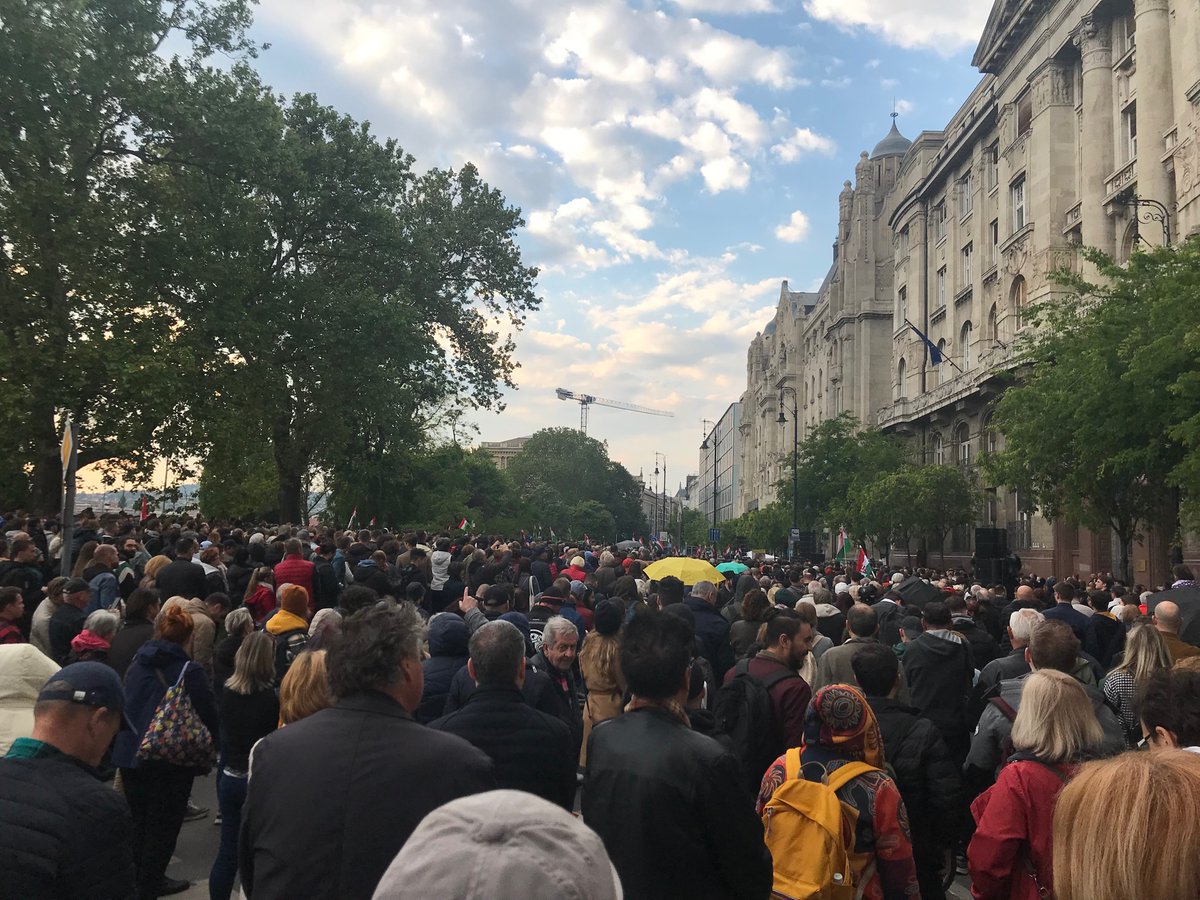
x=68, y=516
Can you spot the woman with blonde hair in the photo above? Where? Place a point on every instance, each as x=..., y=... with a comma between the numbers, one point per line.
x=600, y=665
x=86, y=552
x=154, y=565
x=1010, y=855
x=1145, y=654
x=305, y=689
x=249, y=712
x=1126, y=829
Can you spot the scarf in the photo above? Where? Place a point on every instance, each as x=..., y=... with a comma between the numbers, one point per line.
x=839, y=727
x=286, y=621
x=87, y=640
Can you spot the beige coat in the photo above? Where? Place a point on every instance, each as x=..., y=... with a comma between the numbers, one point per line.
x=24, y=670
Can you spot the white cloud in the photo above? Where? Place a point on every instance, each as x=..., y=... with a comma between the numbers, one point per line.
x=727, y=7
x=800, y=142
x=795, y=230
x=904, y=107
x=934, y=24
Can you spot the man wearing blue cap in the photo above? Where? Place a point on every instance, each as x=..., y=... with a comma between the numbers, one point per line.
x=63, y=832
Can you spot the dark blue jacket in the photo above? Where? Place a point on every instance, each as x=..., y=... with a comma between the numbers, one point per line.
x=712, y=631
x=144, y=691
x=448, y=639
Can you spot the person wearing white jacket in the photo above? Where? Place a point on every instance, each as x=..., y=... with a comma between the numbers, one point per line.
x=24, y=671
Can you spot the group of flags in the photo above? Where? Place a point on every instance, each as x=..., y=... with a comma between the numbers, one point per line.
x=861, y=563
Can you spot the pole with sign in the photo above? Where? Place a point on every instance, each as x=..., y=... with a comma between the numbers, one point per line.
x=69, y=453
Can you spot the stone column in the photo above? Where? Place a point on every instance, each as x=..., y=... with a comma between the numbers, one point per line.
x=1155, y=105
x=1095, y=46
x=1052, y=159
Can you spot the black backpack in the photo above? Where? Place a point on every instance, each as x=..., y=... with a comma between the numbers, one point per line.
x=744, y=721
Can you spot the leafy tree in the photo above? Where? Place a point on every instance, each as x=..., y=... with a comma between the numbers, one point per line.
x=946, y=498
x=593, y=519
x=84, y=330
x=1102, y=431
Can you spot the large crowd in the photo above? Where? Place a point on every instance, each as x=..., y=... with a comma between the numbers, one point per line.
x=455, y=716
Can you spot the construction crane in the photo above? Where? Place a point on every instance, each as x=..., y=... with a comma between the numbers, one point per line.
x=586, y=400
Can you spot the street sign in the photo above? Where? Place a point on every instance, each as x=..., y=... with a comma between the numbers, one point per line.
x=795, y=534
x=714, y=535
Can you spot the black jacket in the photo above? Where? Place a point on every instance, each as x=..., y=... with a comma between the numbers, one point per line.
x=181, y=578
x=987, y=685
x=928, y=779
x=334, y=797
x=669, y=806
x=1104, y=638
x=533, y=752
x=325, y=584
x=566, y=688
x=940, y=671
x=712, y=631
x=125, y=643
x=983, y=648
x=538, y=692
x=448, y=639
x=65, y=625
x=63, y=832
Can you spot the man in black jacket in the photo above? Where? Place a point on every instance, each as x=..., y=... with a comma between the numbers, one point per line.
x=325, y=581
x=532, y=751
x=940, y=670
x=556, y=660
x=668, y=801
x=182, y=577
x=335, y=796
x=927, y=777
x=63, y=832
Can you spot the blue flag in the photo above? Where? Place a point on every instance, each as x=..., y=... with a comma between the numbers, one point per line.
x=935, y=355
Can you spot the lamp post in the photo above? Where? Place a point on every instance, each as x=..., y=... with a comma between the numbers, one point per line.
x=782, y=420
x=661, y=508
x=704, y=446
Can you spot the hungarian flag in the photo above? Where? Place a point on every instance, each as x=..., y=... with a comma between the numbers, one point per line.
x=586, y=539
x=840, y=556
x=372, y=524
x=463, y=524
x=353, y=516
x=863, y=564
x=145, y=509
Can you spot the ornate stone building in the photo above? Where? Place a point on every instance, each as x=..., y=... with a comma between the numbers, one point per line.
x=1083, y=109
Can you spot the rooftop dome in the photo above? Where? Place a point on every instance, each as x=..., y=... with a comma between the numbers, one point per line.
x=895, y=144
x=770, y=329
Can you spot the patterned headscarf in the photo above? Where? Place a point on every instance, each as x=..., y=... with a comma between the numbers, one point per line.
x=840, y=727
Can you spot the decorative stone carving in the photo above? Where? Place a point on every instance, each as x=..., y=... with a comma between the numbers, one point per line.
x=1052, y=86
x=1016, y=257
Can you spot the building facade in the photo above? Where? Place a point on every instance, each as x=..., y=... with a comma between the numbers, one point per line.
x=1083, y=109
x=720, y=468
x=503, y=451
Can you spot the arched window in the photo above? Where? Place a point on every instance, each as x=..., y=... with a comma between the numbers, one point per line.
x=962, y=442
x=1019, y=300
x=939, y=449
x=937, y=373
x=964, y=338
x=991, y=440
x=1128, y=243
x=901, y=378
x=993, y=327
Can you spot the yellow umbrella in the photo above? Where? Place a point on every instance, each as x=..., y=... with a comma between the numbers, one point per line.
x=686, y=569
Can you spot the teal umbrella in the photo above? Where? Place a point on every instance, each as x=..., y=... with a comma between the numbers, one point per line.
x=732, y=568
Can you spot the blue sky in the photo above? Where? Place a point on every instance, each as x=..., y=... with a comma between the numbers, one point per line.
x=675, y=161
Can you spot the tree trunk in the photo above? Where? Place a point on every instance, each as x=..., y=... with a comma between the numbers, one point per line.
x=290, y=471
x=1123, y=558
x=46, y=494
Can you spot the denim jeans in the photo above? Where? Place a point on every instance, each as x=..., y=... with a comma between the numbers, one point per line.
x=231, y=795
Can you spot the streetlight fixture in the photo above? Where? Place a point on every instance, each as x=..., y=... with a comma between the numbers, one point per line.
x=662, y=519
x=782, y=420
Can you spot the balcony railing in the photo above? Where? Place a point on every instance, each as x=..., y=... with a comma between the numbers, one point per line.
x=1120, y=180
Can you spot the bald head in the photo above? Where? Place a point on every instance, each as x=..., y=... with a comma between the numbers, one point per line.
x=1025, y=592
x=1166, y=617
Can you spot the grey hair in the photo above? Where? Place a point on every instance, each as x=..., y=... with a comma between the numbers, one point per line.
x=703, y=588
x=102, y=623
x=1021, y=623
x=496, y=650
x=555, y=627
x=237, y=620
x=375, y=641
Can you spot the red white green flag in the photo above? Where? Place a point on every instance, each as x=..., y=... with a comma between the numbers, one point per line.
x=840, y=555
x=863, y=564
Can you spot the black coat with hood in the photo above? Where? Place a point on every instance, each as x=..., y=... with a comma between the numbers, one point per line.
x=448, y=641
x=940, y=669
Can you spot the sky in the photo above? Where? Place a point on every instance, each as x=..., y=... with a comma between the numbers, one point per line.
x=675, y=161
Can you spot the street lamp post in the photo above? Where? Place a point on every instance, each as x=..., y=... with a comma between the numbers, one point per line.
x=660, y=508
x=795, y=457
x=704, y=446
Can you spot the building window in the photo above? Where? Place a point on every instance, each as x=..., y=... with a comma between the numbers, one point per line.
x=1129, y=131
x=992, y=157
x=901, y=378
x=939, y=450
x=1024, y=114
x=964, y=338
x=966, y=194
x=904, y=237
x=1018, y=204
x=1125, y=34
x=967, y=274
x=939, y=221
x=941, y=287
x=903, y=305
x=962, y=441
x=995, y=257
x=993, y=327
x=1019, y=299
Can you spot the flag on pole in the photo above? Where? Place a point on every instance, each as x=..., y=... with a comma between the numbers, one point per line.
x=463, y=524
x=145, y=509
x=840, y=556
x=586, y=539
x=353, y=516
x=372, y=523
x=863, y=564
x=935, y=355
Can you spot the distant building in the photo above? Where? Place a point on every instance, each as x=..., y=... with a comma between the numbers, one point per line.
x=503, y=451
x=721, y=465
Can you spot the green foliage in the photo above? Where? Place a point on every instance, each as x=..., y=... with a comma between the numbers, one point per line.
x=765, y=528
x=239, y=483
x=1104, y=430
x=560, y=469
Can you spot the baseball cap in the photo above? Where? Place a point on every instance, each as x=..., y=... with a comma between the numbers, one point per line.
x=89, y=683
x=75, y=586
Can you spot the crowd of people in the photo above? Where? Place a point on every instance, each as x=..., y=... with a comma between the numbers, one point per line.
x=390, y=715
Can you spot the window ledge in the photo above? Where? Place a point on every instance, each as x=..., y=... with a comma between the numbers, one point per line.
x=963, y=295
x=937, y=315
